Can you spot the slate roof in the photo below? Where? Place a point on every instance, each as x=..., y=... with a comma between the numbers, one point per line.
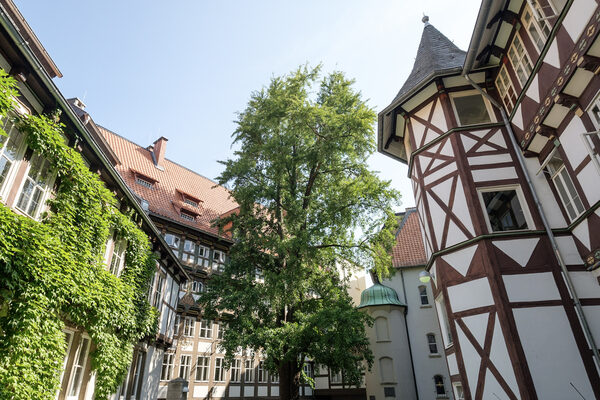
x=409, y=250
x=165, y=197
x=436, y=55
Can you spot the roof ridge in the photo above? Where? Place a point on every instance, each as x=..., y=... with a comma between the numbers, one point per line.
x=166, y=159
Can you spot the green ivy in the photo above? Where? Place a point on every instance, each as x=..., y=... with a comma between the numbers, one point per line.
x=52, y=271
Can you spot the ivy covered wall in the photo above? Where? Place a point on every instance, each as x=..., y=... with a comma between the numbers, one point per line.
x=52, y=271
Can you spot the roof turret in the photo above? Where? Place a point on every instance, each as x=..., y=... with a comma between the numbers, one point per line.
x=379, y=295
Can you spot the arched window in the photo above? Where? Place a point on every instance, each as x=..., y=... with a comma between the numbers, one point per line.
x=440, y=390
x=423, y=295
x=433, y=349
x=386, y=369
x=381, y=329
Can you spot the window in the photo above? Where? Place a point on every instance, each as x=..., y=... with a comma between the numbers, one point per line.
x=536, y=25
x=470, y=108
x=10, y=147
x=167, y=366
x=386, y=370
x=236, y=367
x=249, y=371
x=219, y=370
x=184, y=366
x=158, y=290
x=118, y=257
x=173, y=241
x=275, y=377
x=336, y=377
x=381, y=329
x=68, y=342
x=423, y=295
x=190, y=202
x=187, y=216
x=189, y=251
x=177, y=324
x=389, y=392
x=307, y=369
x=197, y=286
x=432, y=343
x=440, y=390
x=506, y=90
x=78, y=368
x=519, y=60
x=36, y=187
x=203, y=256
x=202, y=368
x=444, y=322
x=135, y=379
x=218, y=260
x=263, y=375
x=459, y=393
x=143, y=182
x=205, y=329
x=221, y=329
x=503, y=209
x=188, y=326
x=564, y=186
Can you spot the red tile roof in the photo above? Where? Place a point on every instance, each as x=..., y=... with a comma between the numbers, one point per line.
x=409, y=250
x=166, y=196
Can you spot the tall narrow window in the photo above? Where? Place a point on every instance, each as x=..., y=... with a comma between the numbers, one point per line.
x=219, y=370
x=381, y=329
x=184, y=366
x=197, y=287
x=248, y=371
x=10, y=147
x=520, y=60
x=506, y=90
x=564, y=186
x=189, y=251
x=158, y=291
x=36, y=187
x=188, y=326
x=177, y=324
x=202, y=368
x=236, y=367
x=263, y=375
x=459, y=393
x=386, y=369
x=136, y=375
x=307, y=369
x=536, y=25
x=423, y=295
x=433, y=349
x=444, y=322
x=218, y=260
x=118, y=257
x=203, y=259
x=78, y=368
x=221, y=329
x=336, y=377
x=205, y=329
x=167, y=367
x=440, y=389
x=174, y=242
x=68, y=342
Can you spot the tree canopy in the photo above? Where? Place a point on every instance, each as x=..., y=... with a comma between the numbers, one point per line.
x=310, y=214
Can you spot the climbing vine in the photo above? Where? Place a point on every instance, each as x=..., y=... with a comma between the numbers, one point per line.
x=52, y=271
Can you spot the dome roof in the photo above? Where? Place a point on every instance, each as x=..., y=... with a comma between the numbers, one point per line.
x=379, y=295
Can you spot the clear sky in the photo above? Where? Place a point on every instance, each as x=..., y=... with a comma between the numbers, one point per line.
x=182, y=69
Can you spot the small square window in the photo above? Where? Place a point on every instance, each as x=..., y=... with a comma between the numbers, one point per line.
x=504, y=210
x=471, y=108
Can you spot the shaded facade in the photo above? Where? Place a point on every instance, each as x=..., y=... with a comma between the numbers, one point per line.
x=502, y=147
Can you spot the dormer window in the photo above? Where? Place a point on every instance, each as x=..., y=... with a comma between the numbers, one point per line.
x=190, y=202
x=141, y=181
x=187, y=216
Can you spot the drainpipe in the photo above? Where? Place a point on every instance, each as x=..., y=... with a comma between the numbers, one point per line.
x=579, y=309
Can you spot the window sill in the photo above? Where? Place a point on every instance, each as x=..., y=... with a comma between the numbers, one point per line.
x=437, y=355
x=425, y=305
x=383, y=341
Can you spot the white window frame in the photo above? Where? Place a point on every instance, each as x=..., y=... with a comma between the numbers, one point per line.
x=263, y=374
x=249, y=371
x=537, y=24
x=185, y=367
x=205, y=329
x=189, y=325
x=522, y=201
x=169, y=357
x=504, y=84
x=20, y=148
x=434, y=343
x=117, y=258
x=203, y=259
x=423, y=296
x=69, y=342
x=202, y=368
x=45, y=188
x=86, y=349
x=455, y=387
x=440, y=305
x=523, y=59
x=218, y=260
x=559, y=175
x=466, y=93
x=220, y=372
x=236, y=370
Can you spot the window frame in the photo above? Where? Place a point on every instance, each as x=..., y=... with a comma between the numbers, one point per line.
x=423, y=295
x=505, y=88
x=441, y=384
x=520, y=61
x=205, y=331
x=118, y=253
x=218, y=264
x=263, y=374
x=433, y=346
x=249, y=371
x=20, y=149
x=80, y=347
x=236, y=371
x=520, y=197
x=189, y=326
x=202, y=369
x=455, y=387
x=45, y=188
x=185, y=367
x=168, y=356
x=565, y=181
x=536, y=24
x=465, y=93
x=445, y=325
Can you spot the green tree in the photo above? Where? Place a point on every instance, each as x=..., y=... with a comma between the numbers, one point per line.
x=310, y=212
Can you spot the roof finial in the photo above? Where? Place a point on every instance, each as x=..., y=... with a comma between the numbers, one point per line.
x=425, y=19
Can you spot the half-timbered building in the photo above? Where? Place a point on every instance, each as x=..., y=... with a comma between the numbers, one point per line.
x=502, y=145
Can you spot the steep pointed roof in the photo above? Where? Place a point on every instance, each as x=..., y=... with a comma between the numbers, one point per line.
x=436, y=55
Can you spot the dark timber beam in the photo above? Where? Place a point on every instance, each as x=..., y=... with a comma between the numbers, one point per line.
x=504, y=15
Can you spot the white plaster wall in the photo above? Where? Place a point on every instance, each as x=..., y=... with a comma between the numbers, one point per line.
x=421, y=320
x=234, y=391
x=531, y=287
x=549, y=202
x=592, y=314
x=588, y=178
x=585, y=284
x=482, y=175
x=151, y=373
x=248, y=391
x=472, y=294
x=552, y=355
x=200, y=391
x=578, y=16
x=219, y=391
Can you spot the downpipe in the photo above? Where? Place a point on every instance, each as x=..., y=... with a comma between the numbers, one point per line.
x=578, y=307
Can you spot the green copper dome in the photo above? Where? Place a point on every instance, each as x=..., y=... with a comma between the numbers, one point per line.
x=379, y=295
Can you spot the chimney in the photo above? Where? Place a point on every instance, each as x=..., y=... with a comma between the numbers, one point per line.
x=77, y=103
x=159, y=147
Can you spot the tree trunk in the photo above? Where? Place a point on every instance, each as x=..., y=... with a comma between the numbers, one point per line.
x=289, y=381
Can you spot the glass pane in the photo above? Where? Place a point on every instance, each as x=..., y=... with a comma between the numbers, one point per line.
x=25, y=194
x=471, y=110
x=504, y=210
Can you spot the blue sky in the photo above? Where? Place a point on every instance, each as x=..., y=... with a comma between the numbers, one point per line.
x=182, y=69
